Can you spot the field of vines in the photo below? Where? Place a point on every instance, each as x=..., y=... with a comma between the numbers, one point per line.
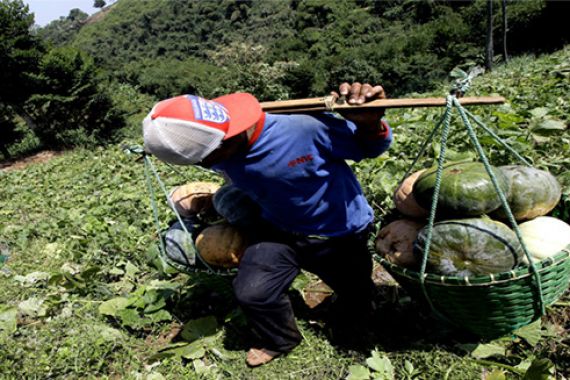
x=84, y=297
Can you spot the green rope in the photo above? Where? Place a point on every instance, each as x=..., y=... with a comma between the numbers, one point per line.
x=154, y=208
x=149, y=163
x=502, y=197
x=148, y=168
x=439, y=172
x=496, y=137
x=424, y=147
x=452, y=102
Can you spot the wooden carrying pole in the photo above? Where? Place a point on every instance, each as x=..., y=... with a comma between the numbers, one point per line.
x=326, y=104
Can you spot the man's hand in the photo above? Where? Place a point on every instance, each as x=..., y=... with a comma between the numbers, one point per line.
x=357, y=93
x=366, y=119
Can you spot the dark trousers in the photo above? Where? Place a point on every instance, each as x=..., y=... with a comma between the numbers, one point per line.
x=269, y=266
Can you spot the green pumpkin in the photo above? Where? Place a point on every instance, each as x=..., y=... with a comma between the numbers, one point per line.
x=534, y=192
x=466, y=189
x=467, y=247
x=236, y=207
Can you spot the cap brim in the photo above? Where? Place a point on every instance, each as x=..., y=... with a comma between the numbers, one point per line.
x=244, y=110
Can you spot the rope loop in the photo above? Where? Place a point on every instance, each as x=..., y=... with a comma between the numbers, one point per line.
x=150, y=172
x=461, y=85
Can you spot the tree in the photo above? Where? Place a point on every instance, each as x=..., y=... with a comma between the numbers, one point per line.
x=62, y=31
x=489, y=43
x=20, y=52
x=243, y=69
x=70, y=106
x=504, y=16
x=99, y=3
x=8, y=132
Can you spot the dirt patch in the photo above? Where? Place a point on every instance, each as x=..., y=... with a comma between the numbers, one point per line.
x=98, y=16
x=24, y=162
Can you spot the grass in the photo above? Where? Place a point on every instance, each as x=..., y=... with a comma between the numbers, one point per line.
x=77, y=231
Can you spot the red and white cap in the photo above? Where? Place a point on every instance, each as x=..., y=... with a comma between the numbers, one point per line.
x=185, y=129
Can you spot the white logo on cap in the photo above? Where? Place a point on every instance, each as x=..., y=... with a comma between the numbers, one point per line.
x=208, y=110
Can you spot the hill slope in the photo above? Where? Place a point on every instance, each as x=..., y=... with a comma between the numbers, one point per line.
x=406, y=45
x=76, y=231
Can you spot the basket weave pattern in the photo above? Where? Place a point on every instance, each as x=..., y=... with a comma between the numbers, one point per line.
x=490, y=305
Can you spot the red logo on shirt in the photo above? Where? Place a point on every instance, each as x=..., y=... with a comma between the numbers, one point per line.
x=300, y=160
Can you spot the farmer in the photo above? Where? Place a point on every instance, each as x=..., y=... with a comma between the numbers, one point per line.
x=293, y=166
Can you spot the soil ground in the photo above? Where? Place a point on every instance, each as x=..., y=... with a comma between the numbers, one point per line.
x=21, y=163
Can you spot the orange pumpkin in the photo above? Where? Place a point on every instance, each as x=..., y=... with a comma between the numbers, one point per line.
x=192, y=198
x=404, y=198
x=395, y=242
x=221, y=245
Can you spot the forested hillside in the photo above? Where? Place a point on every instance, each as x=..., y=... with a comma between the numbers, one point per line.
x=83, y=67
x=169, y=47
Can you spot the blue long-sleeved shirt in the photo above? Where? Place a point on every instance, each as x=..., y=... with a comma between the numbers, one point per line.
x=296, y=172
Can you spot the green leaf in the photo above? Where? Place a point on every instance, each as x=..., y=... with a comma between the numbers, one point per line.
x=539, y=112
x=33, y=307
x=155, y=376
x=113, y=306
x=496, y=374
x=8, y=319
x=198, y=328
x=524, y=365
x=159, y=316
x=531, y=333
x=116, y=271
x=358, y=372
x=32, y=278
x=108, y=334
x=300, y=282
x=155, y=305
x=131, y=270
x=409, y=369
x=540, y=369
x=548, y=127
x=201, y=368
x=483, y=351
x=381, y=364
x=130, y=318
x=457, y=73
x=194, y=350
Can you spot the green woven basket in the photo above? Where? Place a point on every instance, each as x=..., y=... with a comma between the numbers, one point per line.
x=490, y=305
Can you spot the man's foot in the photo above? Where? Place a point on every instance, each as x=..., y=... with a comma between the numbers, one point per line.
x=259, y=356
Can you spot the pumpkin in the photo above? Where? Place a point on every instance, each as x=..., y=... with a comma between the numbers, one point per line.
x=534, y=192
x=179, y=245
x=236, y=207
x=221, y=245
x=404, y=198
x=545, y=236
x=472, y=246
x=192, y=198
x=395, y=242
x=466, y=189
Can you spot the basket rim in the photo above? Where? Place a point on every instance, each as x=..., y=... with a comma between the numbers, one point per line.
x=480, y=280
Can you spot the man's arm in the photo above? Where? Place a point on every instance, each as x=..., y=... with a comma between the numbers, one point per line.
x=368, y=122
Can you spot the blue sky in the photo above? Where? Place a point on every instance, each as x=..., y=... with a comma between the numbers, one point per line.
x=49, y=10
